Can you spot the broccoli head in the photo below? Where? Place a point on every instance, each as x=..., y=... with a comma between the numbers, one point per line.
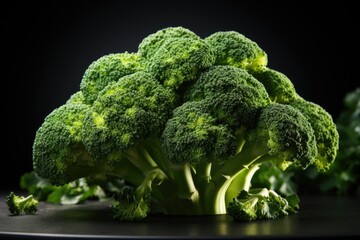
x=186, y=122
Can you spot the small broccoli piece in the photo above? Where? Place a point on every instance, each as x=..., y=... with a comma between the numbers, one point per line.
x=152, y=43
x=277, y=84
x=233, y=48
x=259, y=204
x=105, y=70
x=21, y=205
x=326, y=135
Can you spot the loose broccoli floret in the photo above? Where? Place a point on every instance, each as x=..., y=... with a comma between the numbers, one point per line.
x=278, y=86
x=192, y=135
x=105, y=70
x=233, y=48
x=186, y=123
x=21, y=205
x=259, y=204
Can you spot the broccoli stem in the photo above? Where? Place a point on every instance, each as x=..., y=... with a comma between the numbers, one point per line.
x=153, y=148
x=185, y=199
x=222, y=179
x=146, y=186
x=241, y=182
x=140, y=158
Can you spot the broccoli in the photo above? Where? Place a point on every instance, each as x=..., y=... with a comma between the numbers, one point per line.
x=186, y=122
x=277, y=84
x=105, y=70
x=258, y=204
x=234, y=49
x=21, y=205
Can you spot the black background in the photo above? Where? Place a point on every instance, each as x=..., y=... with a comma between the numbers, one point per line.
x=47, y=47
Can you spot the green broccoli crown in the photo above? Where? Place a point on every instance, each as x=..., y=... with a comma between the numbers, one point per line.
x=288, y=135
x=192, y=135
x=326, y=135
x=180, y=60
x=21, y=205
x=277, y=84
x=152, y=43
x=186, y=122
x=233, y=48
x=233, y=95
x=58, y=152
x=105, y=70
x=125, y=112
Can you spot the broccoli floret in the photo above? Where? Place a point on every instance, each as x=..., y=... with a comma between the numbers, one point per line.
x=21, y=205
x=233, y=48
x=259, y=204
x=152, y=43
x=233, y=95
x=326, y=135
x=180, y=60
x=127, y=111
x=58, y=152
x=192, y=135
x=105, y=70
x=277, y=84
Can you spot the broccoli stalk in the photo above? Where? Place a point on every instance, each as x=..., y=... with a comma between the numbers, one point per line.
x=21, y=205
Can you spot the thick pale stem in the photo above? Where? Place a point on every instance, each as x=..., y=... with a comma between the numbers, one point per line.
x=216, y=190
x=141, y=159
x=153, y=148
x=241, y=181
x=185, y=181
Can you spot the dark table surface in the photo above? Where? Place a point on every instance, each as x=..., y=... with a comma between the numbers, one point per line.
x=319, y=217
